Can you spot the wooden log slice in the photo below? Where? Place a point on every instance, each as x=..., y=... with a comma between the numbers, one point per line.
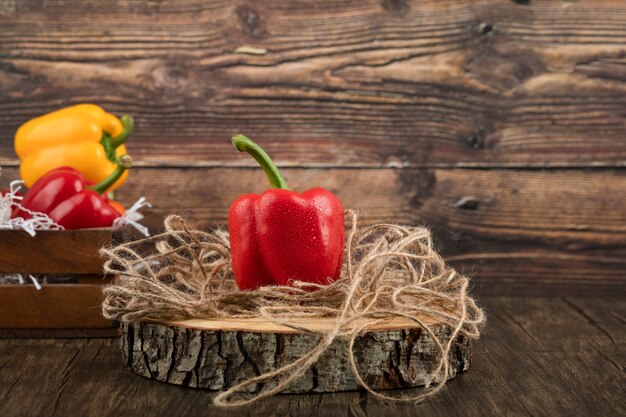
x=216, y=354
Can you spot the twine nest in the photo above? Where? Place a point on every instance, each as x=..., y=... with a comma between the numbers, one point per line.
x=390, y=271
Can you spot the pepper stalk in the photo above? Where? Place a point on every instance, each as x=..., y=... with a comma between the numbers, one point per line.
x=111, y=144
x=244, y=144
x=124, y=162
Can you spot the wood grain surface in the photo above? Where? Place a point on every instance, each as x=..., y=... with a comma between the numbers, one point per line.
x=515, y=232
x=68, y=265
x=260, y=325
x=501, y=124
x=336, y=82
x=54, y=252
x=536, y=357
x=62, y=306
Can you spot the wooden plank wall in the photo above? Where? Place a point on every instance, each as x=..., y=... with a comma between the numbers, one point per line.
x=500, y=124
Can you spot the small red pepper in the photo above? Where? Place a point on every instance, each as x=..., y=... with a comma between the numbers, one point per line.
x=68, y=199
x=280, y=236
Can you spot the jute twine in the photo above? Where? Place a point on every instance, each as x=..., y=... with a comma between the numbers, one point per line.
x=390, y=271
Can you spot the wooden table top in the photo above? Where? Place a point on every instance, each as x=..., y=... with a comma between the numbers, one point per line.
x=537, y=357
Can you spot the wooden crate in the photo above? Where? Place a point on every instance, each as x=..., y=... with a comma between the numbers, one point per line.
x=58, y=309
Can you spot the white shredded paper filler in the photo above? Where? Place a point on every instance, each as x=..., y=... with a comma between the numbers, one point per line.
x=132, y=217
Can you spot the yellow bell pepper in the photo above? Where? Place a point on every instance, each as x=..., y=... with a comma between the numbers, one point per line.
x=83, y=137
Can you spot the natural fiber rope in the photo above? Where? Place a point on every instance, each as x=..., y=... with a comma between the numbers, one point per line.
x=390, y=271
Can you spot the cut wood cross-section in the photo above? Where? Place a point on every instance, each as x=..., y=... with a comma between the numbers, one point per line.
x=217, y=354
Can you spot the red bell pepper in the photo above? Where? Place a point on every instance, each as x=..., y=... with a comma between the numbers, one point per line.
x=68, y=199
x=280, y=236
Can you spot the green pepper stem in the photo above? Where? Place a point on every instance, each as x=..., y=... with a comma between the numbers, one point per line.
x=243, y=144
x=129, y=125
x=123, y=163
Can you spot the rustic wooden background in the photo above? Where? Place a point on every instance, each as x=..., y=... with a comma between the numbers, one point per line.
x=500, y=124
